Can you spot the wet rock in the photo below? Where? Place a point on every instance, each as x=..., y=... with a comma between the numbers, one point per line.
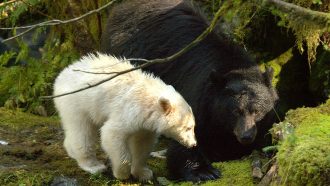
x=41, y=111
x=159, y=154
x=64, y=181
x=163, y=181
x=2, y=142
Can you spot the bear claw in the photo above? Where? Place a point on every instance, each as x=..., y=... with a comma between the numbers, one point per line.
x=202, y=174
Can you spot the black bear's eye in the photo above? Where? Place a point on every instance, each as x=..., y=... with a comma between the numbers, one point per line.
x=255, y=112
x=236, y=112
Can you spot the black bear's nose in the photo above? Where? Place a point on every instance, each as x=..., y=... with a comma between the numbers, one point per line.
x=246, y=138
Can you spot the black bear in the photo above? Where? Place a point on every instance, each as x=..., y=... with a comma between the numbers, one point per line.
x=230, y=97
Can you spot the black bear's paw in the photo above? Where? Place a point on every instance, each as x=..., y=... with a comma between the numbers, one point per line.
x=200, y=173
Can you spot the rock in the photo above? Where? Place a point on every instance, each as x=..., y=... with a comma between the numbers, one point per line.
x=159, y=154
x=3, y=142
x=40, y=110
x=163, y=181
x=64, y=181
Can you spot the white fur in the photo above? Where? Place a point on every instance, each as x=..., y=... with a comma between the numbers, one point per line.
x=127, y=110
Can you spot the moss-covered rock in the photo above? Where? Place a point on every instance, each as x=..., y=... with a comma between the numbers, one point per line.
x=304, y=154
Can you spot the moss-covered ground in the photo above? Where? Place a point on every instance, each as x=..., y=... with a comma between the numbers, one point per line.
x=35, y=156
x=304, y=154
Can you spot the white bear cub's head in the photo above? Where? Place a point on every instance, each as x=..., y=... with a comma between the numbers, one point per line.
x=178, y=117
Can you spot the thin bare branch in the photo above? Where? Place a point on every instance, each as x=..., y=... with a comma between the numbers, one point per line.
x=18, y=35
x=137, y=59
x=56, y=21
x=90, y=72
x=154, y=61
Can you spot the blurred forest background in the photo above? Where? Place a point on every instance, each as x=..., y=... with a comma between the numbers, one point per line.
x=296, y=45
x=294, y=40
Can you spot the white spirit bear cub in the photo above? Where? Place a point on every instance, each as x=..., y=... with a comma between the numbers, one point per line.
x=130, y=111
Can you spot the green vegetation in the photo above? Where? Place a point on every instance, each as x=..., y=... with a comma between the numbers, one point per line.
x=304, y=154
x=20, y=86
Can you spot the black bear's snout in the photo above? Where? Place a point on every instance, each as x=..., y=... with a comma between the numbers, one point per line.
x=248, y=136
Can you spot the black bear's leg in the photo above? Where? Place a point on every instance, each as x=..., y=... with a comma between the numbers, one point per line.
x=189, y=164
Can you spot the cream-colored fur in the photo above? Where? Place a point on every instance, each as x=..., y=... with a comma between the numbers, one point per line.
x=130, y=111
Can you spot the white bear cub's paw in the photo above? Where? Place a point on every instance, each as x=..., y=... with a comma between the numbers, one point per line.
x=143, y=174
x=93, y=167
x=122, y=173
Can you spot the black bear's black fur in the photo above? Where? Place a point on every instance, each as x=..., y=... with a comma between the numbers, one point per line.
x=227, y=92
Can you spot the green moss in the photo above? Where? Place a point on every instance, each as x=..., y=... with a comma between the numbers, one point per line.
x=16, y=120
x=237, y=172
x=304, y=155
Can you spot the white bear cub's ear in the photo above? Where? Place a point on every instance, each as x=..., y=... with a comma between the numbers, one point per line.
x=165, y=104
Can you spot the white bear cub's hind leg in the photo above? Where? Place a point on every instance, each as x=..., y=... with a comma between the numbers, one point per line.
x=140, y=145
x=80, y=140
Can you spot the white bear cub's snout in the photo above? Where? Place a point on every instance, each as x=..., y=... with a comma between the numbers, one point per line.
x=190, y=140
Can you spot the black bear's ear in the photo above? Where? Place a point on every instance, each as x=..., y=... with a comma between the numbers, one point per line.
x=217, y=78
x=268, y=76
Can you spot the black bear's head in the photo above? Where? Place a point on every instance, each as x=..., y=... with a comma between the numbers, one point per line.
x=243, y=98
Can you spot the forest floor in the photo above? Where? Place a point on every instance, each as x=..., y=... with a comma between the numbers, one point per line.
x=34, y=155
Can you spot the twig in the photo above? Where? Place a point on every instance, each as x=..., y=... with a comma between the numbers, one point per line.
x=89, y=72
x=256, y=168
x=154, y=61
x=107, y=73
x=55, y=21
x=267, y=179
x=137, y=59
x=18, y=35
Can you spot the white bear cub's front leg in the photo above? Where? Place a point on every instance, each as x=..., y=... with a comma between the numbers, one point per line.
x=114, y=143
x=140, y=145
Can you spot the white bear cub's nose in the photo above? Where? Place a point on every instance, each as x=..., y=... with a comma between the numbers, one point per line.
x=190, y=140
x=193, y=143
